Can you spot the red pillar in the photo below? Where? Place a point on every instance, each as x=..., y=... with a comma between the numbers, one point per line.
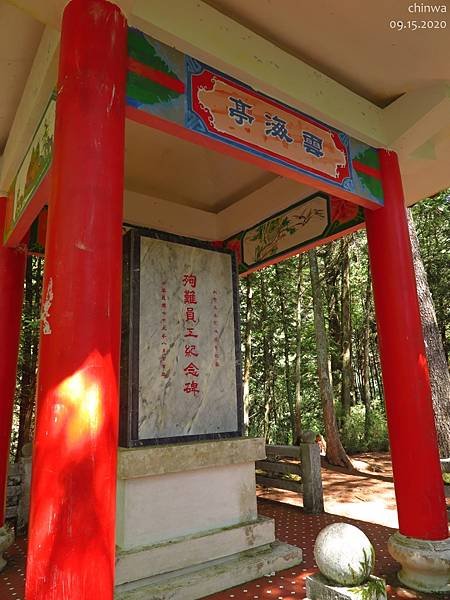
x=12, y=270
x=415, y=459
x=72, y=520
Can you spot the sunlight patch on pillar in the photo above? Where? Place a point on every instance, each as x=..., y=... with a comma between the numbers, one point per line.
x=80, y=400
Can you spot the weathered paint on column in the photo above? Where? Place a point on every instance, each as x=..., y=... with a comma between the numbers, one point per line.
x=72, y=537
x=12, y=271
x=415, y=458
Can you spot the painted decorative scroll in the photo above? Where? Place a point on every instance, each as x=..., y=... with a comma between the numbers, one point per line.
x=318, y=218
x=35, y=164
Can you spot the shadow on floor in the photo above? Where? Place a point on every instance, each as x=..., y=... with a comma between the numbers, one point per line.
x=292, y=526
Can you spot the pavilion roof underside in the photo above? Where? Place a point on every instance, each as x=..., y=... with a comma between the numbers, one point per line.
x=400, y=78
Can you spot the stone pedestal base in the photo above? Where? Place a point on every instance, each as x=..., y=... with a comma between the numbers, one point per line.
x=319, y=587
x=192, y=550
x=425, y=564
x=6, y=540
x=187, y=521
x=213, y=576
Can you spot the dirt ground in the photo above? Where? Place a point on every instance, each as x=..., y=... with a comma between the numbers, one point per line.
x=366, y=494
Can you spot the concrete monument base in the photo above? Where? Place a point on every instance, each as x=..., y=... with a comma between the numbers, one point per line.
x=187, y=522
x=425, y=564
x=213, y=576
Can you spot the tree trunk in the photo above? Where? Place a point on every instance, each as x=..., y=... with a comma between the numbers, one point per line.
x=376, y=368
x=266, y=367
x=346, y=330
x=247, y=349
x=439, y=376
x=365, y=387
x=373, y=391
x=331, y=280
x=336, y=454
x=298, y=355
x=287, y=366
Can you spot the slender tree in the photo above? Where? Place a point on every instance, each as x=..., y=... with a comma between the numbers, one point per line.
x=267, y=379
x=279, y=271
x=331, y=288
x=336, y=454
x=346, y=330
x=365, y=352
x=248, y=348
x=298, y=354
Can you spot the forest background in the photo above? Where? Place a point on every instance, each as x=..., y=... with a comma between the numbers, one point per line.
x=309, y=342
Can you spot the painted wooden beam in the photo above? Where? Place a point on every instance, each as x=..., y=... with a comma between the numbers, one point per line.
x=229, y=46
x=35, y=97
x=197, y=29
x=182, y=96
x=312, y=221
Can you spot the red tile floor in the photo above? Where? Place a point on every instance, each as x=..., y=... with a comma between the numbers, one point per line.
x=293, y=526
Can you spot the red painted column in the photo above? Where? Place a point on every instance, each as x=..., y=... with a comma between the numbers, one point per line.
x=72, y=520
x=415, y=458
x=12, y=271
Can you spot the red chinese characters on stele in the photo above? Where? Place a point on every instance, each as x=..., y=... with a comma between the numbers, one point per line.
x=215, y=328
x=164, y=338
x=191, y=352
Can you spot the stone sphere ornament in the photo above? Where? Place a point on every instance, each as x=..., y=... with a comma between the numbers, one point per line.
x=344, y=554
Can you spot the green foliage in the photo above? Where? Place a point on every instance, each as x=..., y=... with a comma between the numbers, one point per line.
x=271, y=416
x=356, y=438
x=26, y=369
x=373, y=588
x=366, y=568
x=364, y=429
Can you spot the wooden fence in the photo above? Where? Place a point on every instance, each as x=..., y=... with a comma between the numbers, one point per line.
x=294, y=468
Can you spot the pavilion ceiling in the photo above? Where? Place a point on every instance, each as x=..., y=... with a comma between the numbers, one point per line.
x=185, y=173
x=20, y=35
x=352, y=41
